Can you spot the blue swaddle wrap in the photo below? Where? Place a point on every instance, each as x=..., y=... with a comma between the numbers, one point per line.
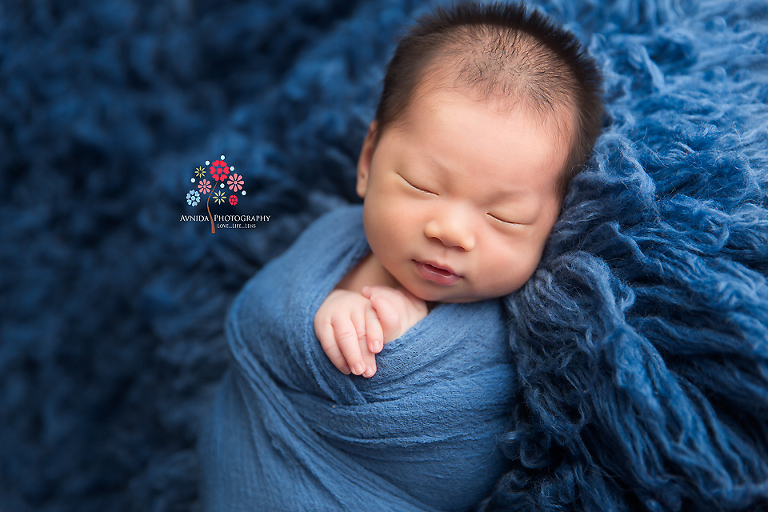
x=290, y=432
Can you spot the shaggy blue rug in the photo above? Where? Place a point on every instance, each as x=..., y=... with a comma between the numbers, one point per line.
x=641, y=343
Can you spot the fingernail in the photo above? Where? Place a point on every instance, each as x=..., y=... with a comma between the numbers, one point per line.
x=359, y=369
x=345, y=370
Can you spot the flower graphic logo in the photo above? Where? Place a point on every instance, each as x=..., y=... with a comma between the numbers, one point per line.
x=193, y=197
x=220, y=172
x=235, y=182
x=204, y=186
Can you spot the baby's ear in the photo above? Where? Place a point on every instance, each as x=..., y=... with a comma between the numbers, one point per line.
x=364, y=161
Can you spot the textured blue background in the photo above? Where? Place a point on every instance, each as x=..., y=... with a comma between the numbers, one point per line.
x=642, y=340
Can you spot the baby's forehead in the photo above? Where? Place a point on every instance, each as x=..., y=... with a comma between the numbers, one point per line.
x=557, y=118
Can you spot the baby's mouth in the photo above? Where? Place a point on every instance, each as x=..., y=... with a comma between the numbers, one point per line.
x=436, y=274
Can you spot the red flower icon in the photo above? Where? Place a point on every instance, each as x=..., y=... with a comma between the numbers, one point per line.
x=233, y=200
x=219, y=170
x=204, y=186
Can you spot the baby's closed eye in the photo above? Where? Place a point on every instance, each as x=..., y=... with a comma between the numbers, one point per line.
x=420, y=188
x=503, y=219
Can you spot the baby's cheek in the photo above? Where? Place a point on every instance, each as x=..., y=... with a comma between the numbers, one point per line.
x=508, y=270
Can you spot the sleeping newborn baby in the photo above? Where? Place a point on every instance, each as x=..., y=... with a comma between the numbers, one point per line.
x=484, y=119
x=487, y=112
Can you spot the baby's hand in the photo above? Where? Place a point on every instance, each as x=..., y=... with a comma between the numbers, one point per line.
x=347, y=327
x=396, y=309
x=352, y=328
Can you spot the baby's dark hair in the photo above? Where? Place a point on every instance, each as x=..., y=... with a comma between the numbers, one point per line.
x=505, y=52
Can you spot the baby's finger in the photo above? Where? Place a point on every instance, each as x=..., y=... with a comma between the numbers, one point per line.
x=359, y=319
x=331, y=349
x=373, y=331
x=369, y=358
x=348, y=340
x=370, y=290
x=388, y=316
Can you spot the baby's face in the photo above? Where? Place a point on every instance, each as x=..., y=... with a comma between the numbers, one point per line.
x=460, y=197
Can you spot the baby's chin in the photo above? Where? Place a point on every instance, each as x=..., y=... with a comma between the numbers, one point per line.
x=436, y=297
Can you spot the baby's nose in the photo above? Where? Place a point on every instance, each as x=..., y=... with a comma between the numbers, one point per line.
x=452, y=231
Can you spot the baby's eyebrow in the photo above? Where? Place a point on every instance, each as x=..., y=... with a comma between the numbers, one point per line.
x=501, y=193
x=436, y=166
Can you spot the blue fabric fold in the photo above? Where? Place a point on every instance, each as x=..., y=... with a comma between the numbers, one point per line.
x=290, y=432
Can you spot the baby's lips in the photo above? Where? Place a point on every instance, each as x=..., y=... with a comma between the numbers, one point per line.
x=437, y=274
